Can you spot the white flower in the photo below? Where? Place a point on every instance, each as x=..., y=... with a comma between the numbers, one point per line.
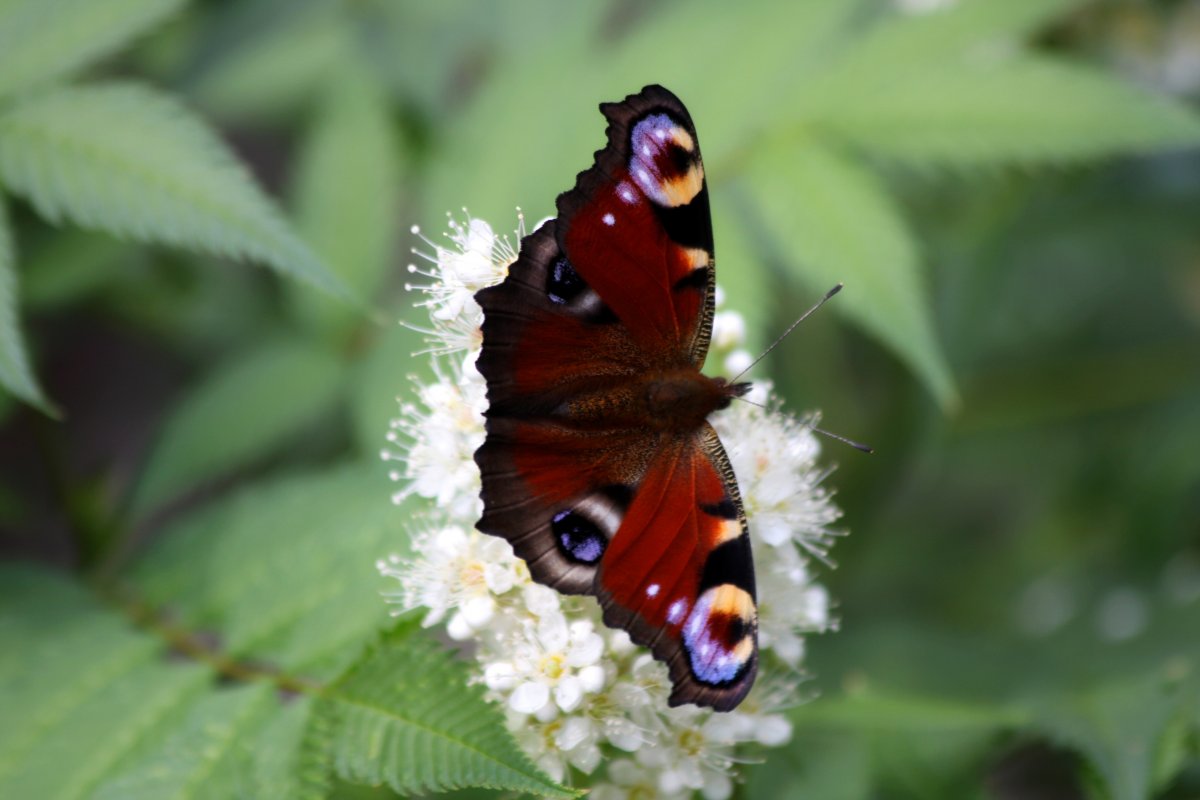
x=580, y=698
x=554, y=664
x=775, y=459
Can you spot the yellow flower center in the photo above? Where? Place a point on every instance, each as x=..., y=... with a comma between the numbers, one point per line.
x=552, y=666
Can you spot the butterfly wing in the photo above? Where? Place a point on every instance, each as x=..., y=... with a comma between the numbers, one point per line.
x=679, y=575
x=620, y=285
x=637, y=226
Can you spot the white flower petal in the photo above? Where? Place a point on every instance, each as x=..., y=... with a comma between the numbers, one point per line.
x=568, y=694
x=586, y=651
x=500, y=677
x=478, y=611
x=530, y=697
x=592, y=678
x=773, y=730
x=458, y=628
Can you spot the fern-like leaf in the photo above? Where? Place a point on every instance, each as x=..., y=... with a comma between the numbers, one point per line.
x=283, y=569
x=405, y=716
x=41, y=40
x=838, y=223
x=132, y=161
x=16, y=375
x=206, y=755
x=81, y=690
x=256, y=401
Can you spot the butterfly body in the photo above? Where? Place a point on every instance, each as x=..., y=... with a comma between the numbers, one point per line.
x=600, y=466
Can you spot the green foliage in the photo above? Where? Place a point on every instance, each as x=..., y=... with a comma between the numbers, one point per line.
x=15, y=373
x=405, y=716
x=41, y=40
x=347, y=190
x=249, y=408
x=215, y=491
x=846, y=227
x=71, y=153
x=1134, y=734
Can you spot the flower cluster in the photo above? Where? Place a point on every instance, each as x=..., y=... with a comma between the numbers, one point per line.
x=582, y=700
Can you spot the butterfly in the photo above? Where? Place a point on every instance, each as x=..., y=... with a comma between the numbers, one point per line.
x=599, y=465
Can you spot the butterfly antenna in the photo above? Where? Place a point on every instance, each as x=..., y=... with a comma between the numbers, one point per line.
x=856, y=445
x=791, y=328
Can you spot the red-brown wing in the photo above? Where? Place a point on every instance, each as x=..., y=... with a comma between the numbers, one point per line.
x=544, y=476
x=679, y=576
x=637, y=228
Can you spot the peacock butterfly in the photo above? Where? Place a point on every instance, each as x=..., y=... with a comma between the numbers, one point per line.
x=599, y=465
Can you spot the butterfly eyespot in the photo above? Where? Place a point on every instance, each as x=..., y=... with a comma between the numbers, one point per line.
x=578, y=537
x=563, y=283
x=719, y=635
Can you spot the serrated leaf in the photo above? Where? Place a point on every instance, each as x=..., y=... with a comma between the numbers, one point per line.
x=347, y=193
x=68, y=670
x=285, y=569
x=44, y=39
x=243, y=411
x=406, y=716
x=1024, y=110
x=836, y=222
x=132, y=161
x=16, y=374
x=1131, y=733
x=204, y=757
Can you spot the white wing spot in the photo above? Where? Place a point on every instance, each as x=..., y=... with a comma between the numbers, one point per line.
x=652, y=590
x=676, y=611
x=609, y=219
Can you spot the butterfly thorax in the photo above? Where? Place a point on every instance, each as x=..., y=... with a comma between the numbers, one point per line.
x=682, y=399
x=677, y=399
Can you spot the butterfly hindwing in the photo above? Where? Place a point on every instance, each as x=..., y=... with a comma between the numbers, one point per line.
x=679, y=575
x=598, y=465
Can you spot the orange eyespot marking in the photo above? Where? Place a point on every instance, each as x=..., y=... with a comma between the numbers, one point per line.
x=683, y=139
x=732, y=600
x=680, y=191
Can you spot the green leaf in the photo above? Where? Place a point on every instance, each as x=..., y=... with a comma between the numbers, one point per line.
x=205, y=756
x=41, y=40
x=16, y=375
x=131, y=161
x=1024, y=110
x=68, y=672
x=285, y=568
x=1133, y=734
x=405, y=715
x=381, y=378
x=244, y=410
x=274, y=74
x=899, y=42
x=347, y=194
x=836, y=222
x=71, y=265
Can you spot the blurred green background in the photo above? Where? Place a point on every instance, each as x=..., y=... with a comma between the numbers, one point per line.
x=1010, y=190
